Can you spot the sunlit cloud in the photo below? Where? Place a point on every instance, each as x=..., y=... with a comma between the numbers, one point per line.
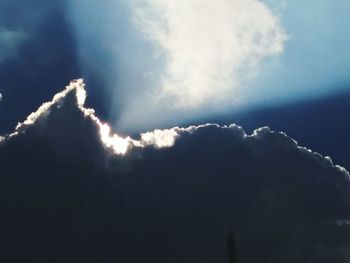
x=163, y=63
x=179, y=59
x=122, y=145
x=207, y=45
x=118, y=144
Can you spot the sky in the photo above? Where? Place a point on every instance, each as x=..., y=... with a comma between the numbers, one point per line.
x=193, y=59
x=105, y=146
x=144, y=75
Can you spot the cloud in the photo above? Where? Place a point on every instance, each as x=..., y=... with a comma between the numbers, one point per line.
x=118, y=144
x=149, y=69
x=207, y=45
x=182, y=60
x=9, y=43
x=75, y=96
x=66, y=178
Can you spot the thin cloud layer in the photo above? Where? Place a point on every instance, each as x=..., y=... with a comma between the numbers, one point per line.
x=182, y=59
x=165, y=63
x=9, y=43
x=208, y=45
x=72, y=188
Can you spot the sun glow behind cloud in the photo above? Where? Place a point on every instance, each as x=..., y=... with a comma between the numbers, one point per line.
x=179, y=59
x=207, y=45
x=117, y=144
x=163, y=63
x=209, y=52
x=121, y=145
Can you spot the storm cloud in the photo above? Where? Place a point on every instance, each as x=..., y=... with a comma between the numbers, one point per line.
x=68, y=196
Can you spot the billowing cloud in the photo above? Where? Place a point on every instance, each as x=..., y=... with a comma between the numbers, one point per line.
x=71, y=187
x=77, y=95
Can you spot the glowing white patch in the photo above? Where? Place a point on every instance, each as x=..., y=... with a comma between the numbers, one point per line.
x=81, y=94
x=160, y=138
x=208, y=45
x=118, y=144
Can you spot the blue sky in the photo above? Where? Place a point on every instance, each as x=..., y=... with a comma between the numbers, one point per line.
x=317, y=54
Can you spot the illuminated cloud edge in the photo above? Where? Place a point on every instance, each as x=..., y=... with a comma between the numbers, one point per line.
x=120, y=145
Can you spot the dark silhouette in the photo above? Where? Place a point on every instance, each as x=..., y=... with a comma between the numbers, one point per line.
x=231, y=246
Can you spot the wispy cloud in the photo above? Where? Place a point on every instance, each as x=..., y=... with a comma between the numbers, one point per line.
x=207, y=45
x=9, y=43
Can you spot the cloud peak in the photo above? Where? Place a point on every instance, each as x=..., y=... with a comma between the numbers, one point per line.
x=75, y=94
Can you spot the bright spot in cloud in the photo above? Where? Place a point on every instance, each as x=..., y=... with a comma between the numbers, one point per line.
x=160, y=138
x=207, y=45
x=81, y=94
x=118, y=144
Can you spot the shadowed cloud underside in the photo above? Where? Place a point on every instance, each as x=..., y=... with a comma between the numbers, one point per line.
x=71, y=187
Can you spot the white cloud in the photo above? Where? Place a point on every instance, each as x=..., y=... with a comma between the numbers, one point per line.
x=207, y=45
x=160, y=138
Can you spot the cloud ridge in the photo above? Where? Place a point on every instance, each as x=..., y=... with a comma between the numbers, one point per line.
x=121, y=145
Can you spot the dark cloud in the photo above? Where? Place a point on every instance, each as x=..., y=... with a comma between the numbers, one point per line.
x=65, y=197
x=310, y=122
